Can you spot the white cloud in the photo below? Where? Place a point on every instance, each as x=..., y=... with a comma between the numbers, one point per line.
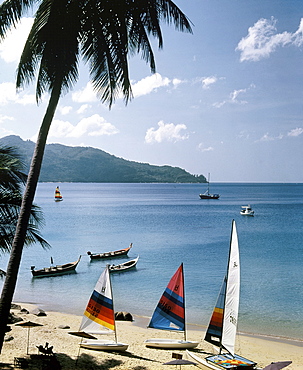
x=90, y=126
x=234, y=97
x=263, y=39
x=168, y=132
x=65, y=110
x=5, y=118
x=295, y=132
x=83, y=108
x=267, y=137
x=8, y=95
x=201, y=148
x=176, y=82
x=149, y=84
x=85, y=95
x=207, y=81
x=12, y=46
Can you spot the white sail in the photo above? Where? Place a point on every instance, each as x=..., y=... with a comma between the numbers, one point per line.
x=99, y=313
x=232, y=294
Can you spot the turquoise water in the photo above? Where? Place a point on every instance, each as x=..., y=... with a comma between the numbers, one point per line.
x=169, y=224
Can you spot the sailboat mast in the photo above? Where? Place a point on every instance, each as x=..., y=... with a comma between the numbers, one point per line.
x=208, y=183
x=232, y=294
x=183, y=301
x=111, y=290
x=227, y=272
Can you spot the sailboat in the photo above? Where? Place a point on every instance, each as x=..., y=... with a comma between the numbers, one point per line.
x=207, y=194
x=58, y=196
x=222, y=328
x=99, y=318
x=170, y=315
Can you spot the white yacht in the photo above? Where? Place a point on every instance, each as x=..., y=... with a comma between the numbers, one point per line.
x=247, y=211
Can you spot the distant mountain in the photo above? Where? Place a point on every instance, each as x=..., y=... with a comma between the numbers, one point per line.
x=85, y=164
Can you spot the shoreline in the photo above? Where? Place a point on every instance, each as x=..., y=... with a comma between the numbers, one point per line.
x=142, y=321
x=262, y=350
x=192, y=326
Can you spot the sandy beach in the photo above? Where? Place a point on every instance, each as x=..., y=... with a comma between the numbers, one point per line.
x=55, y=328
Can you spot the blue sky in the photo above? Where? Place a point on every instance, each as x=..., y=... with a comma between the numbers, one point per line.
x=226, y=99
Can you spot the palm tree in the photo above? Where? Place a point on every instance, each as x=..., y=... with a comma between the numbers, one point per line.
x=103, y=33
x=12, y=178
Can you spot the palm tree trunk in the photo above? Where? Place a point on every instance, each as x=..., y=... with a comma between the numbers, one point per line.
x=28, y=197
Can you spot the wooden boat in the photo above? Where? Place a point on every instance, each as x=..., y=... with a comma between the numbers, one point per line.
x=207, y=194
x=113, y=254
x=56, y=270
x=58, y=196
x=128, y=265
x=222, y=328
x=170, y=315
x=99, y=316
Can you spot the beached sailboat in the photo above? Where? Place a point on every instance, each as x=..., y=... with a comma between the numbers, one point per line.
x=222, y=328
x=58, y=196
x=207, y=194
x=170, y=315
x=99, y=318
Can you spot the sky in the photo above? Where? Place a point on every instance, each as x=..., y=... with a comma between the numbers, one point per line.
x=226, y=100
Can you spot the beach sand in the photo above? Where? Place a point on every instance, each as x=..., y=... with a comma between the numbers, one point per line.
x=262, y=350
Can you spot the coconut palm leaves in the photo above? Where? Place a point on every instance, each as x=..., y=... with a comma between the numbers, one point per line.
x=11, y=180
x=104, y=33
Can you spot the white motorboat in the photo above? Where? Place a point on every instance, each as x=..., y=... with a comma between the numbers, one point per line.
x=247, y=211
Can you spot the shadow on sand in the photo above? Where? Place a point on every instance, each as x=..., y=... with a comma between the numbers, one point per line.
x=83, y=362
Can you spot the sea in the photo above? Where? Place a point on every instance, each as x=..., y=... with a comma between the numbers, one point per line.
x=169, y=224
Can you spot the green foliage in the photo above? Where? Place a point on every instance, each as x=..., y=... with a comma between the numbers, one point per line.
x=12, y=178
x=85, y=164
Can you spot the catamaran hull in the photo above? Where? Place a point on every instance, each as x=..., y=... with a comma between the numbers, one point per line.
x=103, y=345
x=203, y=364
x=224, y=362
x=170, y=343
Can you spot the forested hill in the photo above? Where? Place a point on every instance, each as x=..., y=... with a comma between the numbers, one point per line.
x=85, y=164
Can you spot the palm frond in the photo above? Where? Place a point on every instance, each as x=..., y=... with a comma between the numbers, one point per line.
x=11, y=12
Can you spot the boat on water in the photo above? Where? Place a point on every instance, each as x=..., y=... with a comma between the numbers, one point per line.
x=99, y=318
x=128, y=265
x=66, y=268
x=207, y=194
x=170, y=315
x=247, y=211
x=113, y=254
x=58, y=196
x=222, y=328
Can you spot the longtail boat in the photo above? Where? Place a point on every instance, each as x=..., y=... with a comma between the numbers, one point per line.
x=66, y=268
x=113, y=254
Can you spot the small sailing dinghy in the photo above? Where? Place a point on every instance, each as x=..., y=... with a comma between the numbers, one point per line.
x=222, y=328
x=58, y=196
x=170, y=315
x=99, y=318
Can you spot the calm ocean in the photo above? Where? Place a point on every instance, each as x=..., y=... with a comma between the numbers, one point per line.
x=169, y=224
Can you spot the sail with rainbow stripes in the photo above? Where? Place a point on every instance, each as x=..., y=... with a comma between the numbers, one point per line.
x=223, y=323
x=214, y=331
x=170, y=311
x=99, y=312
